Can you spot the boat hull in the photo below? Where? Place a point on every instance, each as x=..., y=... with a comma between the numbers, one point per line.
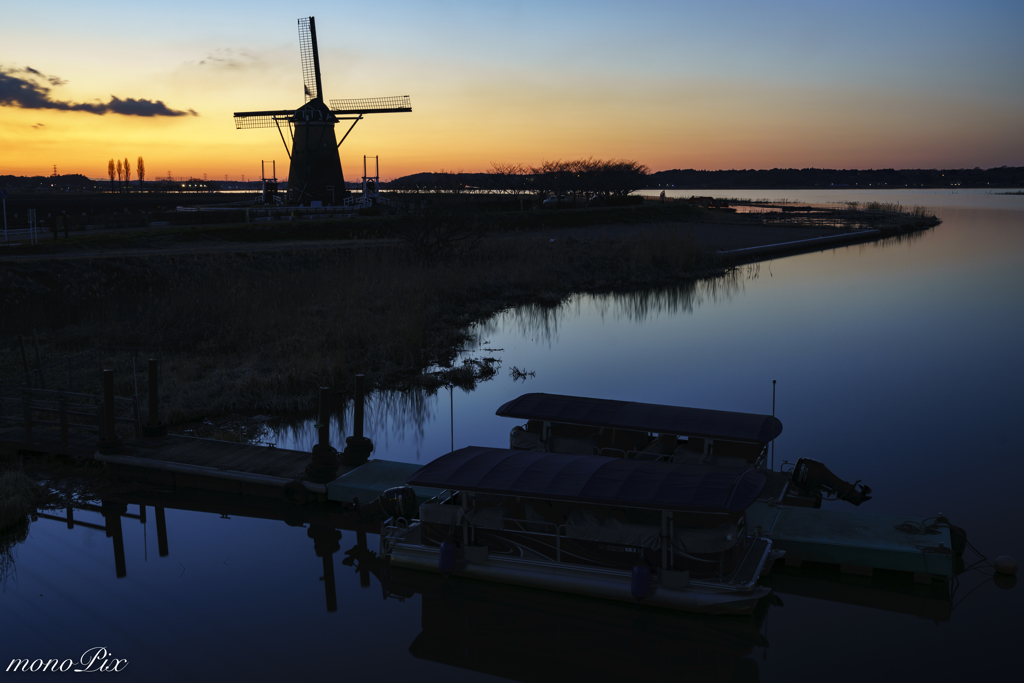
x=595, y=582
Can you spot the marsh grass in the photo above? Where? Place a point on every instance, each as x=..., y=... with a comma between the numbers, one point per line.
x=260, y=331
x=18, y=493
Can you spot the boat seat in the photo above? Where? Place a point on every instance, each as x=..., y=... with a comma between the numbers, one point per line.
x=572, y=446
x=437, y=513
x=486, y=517
x=613, y=453
x=522, y=440
x=663, y=445
x=706, y=541
x=685, y=455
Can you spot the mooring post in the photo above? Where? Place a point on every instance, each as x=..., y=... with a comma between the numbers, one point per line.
x=324, y=465
x=161, y=531
x=109, y=444
x=358, y=447
x=153, y=426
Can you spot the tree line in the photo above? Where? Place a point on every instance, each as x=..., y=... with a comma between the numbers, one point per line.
x=586, y=178
x=810, y=178
x=124, y=173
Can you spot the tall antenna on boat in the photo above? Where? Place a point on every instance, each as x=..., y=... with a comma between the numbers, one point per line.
x=773, y=425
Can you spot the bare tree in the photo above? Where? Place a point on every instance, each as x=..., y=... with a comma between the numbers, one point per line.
x=120, y=174
x=110, y=172
x=127, y=175
x=140, y=170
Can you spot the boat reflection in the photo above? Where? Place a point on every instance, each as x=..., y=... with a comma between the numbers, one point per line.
x=530, y=635
x=520, y=633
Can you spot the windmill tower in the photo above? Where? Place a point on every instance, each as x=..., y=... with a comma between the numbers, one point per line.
x=315, y=170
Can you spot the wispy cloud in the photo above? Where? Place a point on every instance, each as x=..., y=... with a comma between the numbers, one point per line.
x=229, y=58
x=26, y=88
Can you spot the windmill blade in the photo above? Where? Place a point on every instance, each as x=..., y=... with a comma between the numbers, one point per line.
x=372, y=105
x=261, y=119
x=310, y=57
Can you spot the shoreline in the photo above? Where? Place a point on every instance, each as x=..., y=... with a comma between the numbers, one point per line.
x=256, y=327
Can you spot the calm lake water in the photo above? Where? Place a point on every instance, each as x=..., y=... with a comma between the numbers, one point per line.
x=898, y=363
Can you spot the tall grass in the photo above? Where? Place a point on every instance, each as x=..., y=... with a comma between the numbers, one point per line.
x=260, y=331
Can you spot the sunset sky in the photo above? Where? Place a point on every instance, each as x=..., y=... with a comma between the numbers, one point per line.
x=744, y=84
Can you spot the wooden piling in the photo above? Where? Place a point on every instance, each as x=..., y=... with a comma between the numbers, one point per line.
x=358, y=448
x=112, y=516
x=161, y=531
x=324, y=465
x=108, y=444
x=153, y=426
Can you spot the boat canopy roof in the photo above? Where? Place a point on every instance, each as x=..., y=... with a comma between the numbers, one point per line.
x=644, y=417
x=594, y=479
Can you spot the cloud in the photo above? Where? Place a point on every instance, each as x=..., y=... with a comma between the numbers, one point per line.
x=22, y=88
x=228, y=58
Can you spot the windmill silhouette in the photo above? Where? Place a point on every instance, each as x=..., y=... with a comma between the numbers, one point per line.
x=315, y=171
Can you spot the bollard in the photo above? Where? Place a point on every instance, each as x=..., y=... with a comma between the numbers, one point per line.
x=358, y=447
x=153, y=427
x=108, y=444
x=324, y=465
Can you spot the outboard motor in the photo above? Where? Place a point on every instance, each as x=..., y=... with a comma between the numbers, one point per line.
x=813, y=477
x=399, y=501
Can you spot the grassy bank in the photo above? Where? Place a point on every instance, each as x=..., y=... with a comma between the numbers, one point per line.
x=260, y=331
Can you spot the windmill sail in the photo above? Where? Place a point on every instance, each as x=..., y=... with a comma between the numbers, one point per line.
x=372, y=105
x=310, y=58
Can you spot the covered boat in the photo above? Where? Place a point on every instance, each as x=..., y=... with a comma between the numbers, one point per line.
x=642, y=430
x=650, y=431
x=671, y=534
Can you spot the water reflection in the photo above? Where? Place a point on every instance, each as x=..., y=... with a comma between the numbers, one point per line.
x=528, y=635
x=541, y=322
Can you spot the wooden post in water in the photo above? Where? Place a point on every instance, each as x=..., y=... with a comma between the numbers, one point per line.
x=364, y=567
x=326, y=542
x=154, y=427
x=324, y=465
x=161, y=531
x=358, y=447
x=112, y=516
x=109, y=444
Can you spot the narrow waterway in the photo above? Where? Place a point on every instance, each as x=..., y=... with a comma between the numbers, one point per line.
x=898, y=363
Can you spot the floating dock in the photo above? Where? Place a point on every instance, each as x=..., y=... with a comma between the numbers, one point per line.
x=857, y=543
